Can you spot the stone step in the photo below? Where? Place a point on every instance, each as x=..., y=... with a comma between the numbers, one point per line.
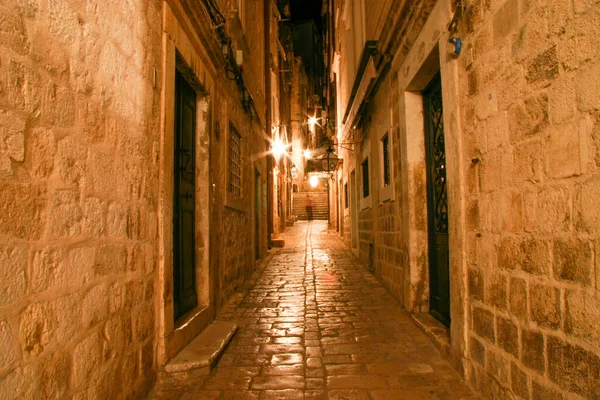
x=435, y=330
x=277, y=242
x=200, y=355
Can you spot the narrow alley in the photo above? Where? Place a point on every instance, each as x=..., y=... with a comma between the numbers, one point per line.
x=315, y=324
x=279, y=199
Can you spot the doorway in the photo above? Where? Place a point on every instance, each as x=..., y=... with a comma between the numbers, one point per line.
x=437, y=202
x=340, y=213
x=353, y=209
x=184, y=229
x=257, y=215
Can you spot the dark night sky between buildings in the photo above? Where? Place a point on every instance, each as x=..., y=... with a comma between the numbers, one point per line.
x=306, y=9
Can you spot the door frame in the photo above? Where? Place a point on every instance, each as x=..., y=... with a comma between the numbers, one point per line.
x=433, y=261
x=182, y=299
x=414, y=69
x=257, y=213
x=354, y=211
x=182, y=50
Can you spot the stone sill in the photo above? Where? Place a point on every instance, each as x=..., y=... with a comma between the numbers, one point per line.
x=435, y=330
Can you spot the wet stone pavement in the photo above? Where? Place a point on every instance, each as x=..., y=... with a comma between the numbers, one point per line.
x=315, y=324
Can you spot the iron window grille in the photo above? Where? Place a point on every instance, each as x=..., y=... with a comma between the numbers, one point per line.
x=385, y=142
x=235, y=163
x=345, y=195
x=365, y=177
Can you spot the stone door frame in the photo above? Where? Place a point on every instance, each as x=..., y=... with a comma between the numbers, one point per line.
x=415, y=70
x=182, y=51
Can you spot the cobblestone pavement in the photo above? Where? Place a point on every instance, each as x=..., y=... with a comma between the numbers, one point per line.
x=315, y=324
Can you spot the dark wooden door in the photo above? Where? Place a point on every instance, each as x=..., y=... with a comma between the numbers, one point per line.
x=437, y=202
x=184, y=233
x=257, y=215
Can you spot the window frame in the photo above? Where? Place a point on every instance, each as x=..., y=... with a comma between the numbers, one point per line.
x=346, y=196
x=241, y=13
x=386, y=191
x=365, y=178
x=366, y=201
x=233, y=198
x=386, y=172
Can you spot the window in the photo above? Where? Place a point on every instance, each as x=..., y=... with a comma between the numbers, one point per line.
x=274, y=100
x=345, y=195
x=365, y=177
x=241, y=13
x=386, y=165
x=385, y=147
x=235, y=163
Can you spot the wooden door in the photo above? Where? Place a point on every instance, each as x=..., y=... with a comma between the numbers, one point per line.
x=184, y=232
x=354, y=209
x=257, y=214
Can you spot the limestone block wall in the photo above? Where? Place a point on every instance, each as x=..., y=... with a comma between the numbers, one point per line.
x=78, y=175
x=233, y=234
x=522, y=120
x=531, y=118
x=385, y=228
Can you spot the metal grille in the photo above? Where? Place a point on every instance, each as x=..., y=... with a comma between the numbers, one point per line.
x=438, y=161
x=365, y=177
x=345, y=195
x=235, y=163
x=386, y=160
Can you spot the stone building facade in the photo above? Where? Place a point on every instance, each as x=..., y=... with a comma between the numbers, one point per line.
x=512, y=178
x=113, y=115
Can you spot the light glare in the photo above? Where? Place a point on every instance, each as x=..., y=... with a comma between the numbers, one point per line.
x=314, y=181
x=278, y=148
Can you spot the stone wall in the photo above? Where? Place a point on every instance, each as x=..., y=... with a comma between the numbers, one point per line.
x=388, y=262
x=78, y=175
x=522, y=118
x=233, y=235
x=531, y=118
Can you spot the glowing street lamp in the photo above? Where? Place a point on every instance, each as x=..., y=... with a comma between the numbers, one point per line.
x=307, y=153
x=314, y=181
x=312, y=121
x=277, y=148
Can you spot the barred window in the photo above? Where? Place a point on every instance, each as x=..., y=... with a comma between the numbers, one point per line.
x=365, y=177
x=385, y=142
x=345, y=195
x=235, y=163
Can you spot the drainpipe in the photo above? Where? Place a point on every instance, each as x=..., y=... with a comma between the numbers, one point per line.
x=267, y=53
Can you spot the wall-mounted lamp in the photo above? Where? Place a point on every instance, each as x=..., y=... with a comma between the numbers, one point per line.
x=294, y=172
x=312, y=121
x=307, y=154
x=277, y=148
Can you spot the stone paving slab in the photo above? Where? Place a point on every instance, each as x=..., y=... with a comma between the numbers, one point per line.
x=314, y=323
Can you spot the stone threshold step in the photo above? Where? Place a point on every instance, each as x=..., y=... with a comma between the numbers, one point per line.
x=277, y=242
x=201, y=354
x=435, y=330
